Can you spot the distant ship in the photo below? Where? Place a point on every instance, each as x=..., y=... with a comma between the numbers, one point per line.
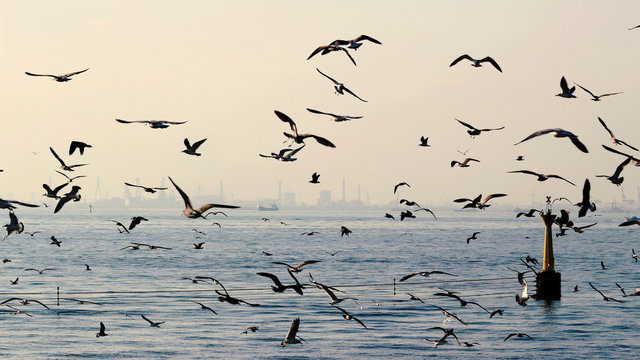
x=273, y=207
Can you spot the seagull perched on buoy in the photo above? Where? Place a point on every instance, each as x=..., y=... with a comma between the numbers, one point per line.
x=59, y=78
x=477, y=62
x=192, y=213
x=339, y=87
x=559, y=133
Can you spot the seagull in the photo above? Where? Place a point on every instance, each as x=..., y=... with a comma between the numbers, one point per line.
x=596, y=97
x=151, y=323
x=624, y=294
x=389, y=216
x=448, y=315
x=205, y=307
x=279, y=287
x=476, y=203
x=602, y=265
x=332, y=253
x=72, y=195
x=24, y=301
x=81, y=302
x=314, y=178
x=566, y=91
x=462, y=301
x=520, y=335
x=605, y=298
x=284, y=154
x=70, y=178
x=101, y=332
x=559, y=133
x=475, y=132
x=409, y=203
x=310, y=233
x=55, y=241
x=250, y=328
x=585, y=204
x=299, y=138
x=339, y=87
x=14, y=282
x=613, y=137
x=447, y=332
x=357, y=42
x=13, y=225
x=8, y=204
x=192, y=213
x=152, y=247
x=464, y=163
x=298, y=267
x=118, y=223
x=135, y=221
x=616, y=178
x=325, y=49
x=336, y=118
x=150, y=190
x=291, y=337
x=348, y=316
x=406, y=214
x=496, y=311
x=78, y=145
x=154, y=124
x=53, y=193
x=635, y=27
x=198, y=245
x=633, y=254
x=59, y=78
x=38, y=271
x=522, y=299
x=423, y=141
x=395, y=188
x=330, y=293
x=87, y=268
x=64, y=166
x=192, y=149
x=520, y=158
x=473, y=237
x=427, y=210
x=532, y=260
x=541, y=177
x=477, y=63
x=344, y=231
x=425, y=274
x=528, y=214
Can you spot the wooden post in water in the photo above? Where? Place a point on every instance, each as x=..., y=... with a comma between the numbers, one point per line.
x=548, y=281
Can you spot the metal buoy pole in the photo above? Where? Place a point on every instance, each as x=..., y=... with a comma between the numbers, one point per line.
x=548, y=280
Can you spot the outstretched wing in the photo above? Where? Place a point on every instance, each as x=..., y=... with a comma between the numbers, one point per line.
x=465, y=124
x=74, y=73
x=352, y=93
x=57, y=157
x=197, y=144
x=365, y=37
x=288, y=120
x=328, y=77
x=492, y=62
x=461, y=57
x=603, y=124
x=537, y=133
x=590, y=93
x=320, y=140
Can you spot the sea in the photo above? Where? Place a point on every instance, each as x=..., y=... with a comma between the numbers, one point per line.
x=123, y=284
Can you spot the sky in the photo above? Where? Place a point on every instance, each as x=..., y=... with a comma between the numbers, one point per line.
x=224, y=67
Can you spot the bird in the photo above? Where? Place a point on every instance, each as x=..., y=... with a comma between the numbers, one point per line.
x=151, y=323
x=192, y=213
x=615, y=140
x=299, y=138
x=596, y=97
x=14, y=225
x=630, y=222
x=24, y=301
x=616, y=178
x=78, y=145
x=425, y=274
x=298, y=267
x=448, y=315
x=423, y=141
x=70, y=179
x=314, y=178
x=389, y=216
x=521, y=299
x=406, y=214
x=55, y=241
x=339, y=87
x=198, y=246
x=519, y=335
x=310, y=233
x=250, y=328
x=580, y=229
x=602, y=265
x=59, y=78
x=476, y=203
x=447, y=333
x=575, y=289
x=566, y=91
x=291, y=337
x=427, y=210
x=477, y=63
x=150, y=190
x=633, y=255
x=634, y=161
x=624, y=294
x=395, y=188
x=473, y=132
x=531, y=260
x=118, y=223
x=474, y=236
x=192, y=148
x=135, y=221
x=585, y=204
x=4, y=261
x=279, y=287
x=357, y=42
x=336, y=118
x=102, y=330
x=409, y=202
x=604, y=297
x=541, y=177
x=520, y=158
x=330, y=293
x=635, y=27
x=528, y=214
x=325, y=49
x=152, y=247
x=559, y=133
x=39, y=271
x=154, y=124
x=348, y=316
x=53, y=193
x=81, y=302
x=87, y=267
x=205, y=307
x=72, y=195
x=344, y=231
x=9, y=204
x=64, y=166
x=285, y=155
x=464, y=163
x=14, y=282
x=496, y=311
x=461, y=301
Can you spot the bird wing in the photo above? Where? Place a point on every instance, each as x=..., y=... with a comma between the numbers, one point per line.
x=134, y=185
x=352, y=93
x=47, y=188
x=619, y=152
x=306, y=262
x=187, y=201
x=631, y=222
x=621, y=167
x=627, y=145
x=55, y=191
x=319, y=139
x=328, y=77
x=38, y=302
x=169, y=122
x=197, y=144
x=32, y=74
x=398, y=185
x=461, y=57
x=523, y=172
x=586, y=198
x=406, y=277
x=462, y=200
x=129, y=122
x=206, y=207
x=605, y=126
x=57, y=157
x=491, y=196
x=317, y=50
x=293, y=330
x=537, y=133
x=564, y=86
x=359, y=321
x=274, y=278
x=510, y=335
x=427, y=210
x=365, y=37
x=75, y=73
x=500, y=128
x=281, y=263
x=581, y=87
x=320, y=112
x=288, y=120
x=492, y=62
x=349, y=55
x=594, y=288
x=102, y=328
x=61, y=203
x=187, y=144
x=609, y=94
x=147, y=320
x=465, y=124
x=561, y=178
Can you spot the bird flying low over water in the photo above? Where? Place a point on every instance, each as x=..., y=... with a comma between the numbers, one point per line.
x=8, y=204
x=53, y=193
x=425, y=274
x=613, y=137
x=559, y=133
x=102, y=331
x=192, y=213
x=528, y=214
x=135, y=221
x=475, y=132
x=585, y=204
x=13, y=225
x=64, y=166
x=192, y=149
x=596, y=97
x=336, y=118
x=473, y=236
x=70, y=179
x=566, y=91
x=476, y=63
x=604, y=297
x=476, y=203
x=541, y=177
x=298, y=267
x=285, y=154
x=78, y=145
x=154, y=124
x=59, y=78
x=279, y=287
x=339, y=87
x=299, y=138
x=72, y=195
x=150, y=190
x=464, y=163
x=519, y=335
x=291, y=337
x=348, y=316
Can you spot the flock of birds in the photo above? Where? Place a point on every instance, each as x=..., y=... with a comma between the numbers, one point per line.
x=289, y=154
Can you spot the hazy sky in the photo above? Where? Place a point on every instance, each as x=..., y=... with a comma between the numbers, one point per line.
x=225, y=66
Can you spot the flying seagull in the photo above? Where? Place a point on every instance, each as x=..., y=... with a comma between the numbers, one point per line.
x=192, y=148
x=59, y=78
x=477, y=63
x=585, y=204
x=299, y=138
x=559, y=133
x=339, y=87
x=634, y=161
x=596, y=97
x=78, y=145
x=395, y=188
x=64, y=166
x=53, y=193
x=325, y=49
x=70, y=179
x=135, y=221
x=475, y=132
x=541, y=177
x=284, y=154
x=151, y=323
x=150, y=190
x=8, y=204
x=348, y=316
x=616, y=178
x=423, y=141
x=336, y=118
x=474, y=236
x=291, y=337
x=425, y=274
x=476, y=203
x=357, y=42
x=72, y=195
x=613, y=137
x=154, y=124
x=464, y=163
x=314, y=178
x=298, y=267
x=519, y=335
x=566, y=91
x=101, y=332
x=604, y=297
x=13, y=225
x=192, y=213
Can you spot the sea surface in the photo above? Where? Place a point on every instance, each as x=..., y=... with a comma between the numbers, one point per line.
x=125, y=284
